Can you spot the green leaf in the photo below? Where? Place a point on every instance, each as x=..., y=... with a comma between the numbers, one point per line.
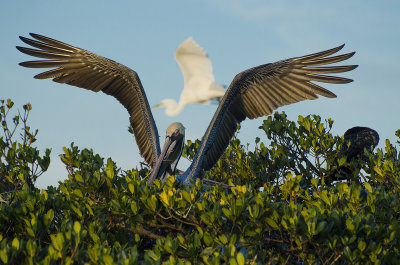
x=89, y=208
x=31, y=248
x=152, y=255
x=226, y=212
x=207, y=252
x=272, y=223
x=78, y=177
x=48, y=217
x=164, y=197
x=152, y=202
x=321, y=226
x=324, y=197
x=223, y=239
x=134, y=207
x=232, y=261
x=187, y=196
x=77, y=227
x=368, y=187
x=30, y=231
x=200, y=231
x=347, y=252
x=254, y=211
x=76, y=210
x=3, y=256
x=349, y=224
x=240, y=258
x=131, y=188
x=15, y=243
x=342, y=161
x=108, y=260
x=69, y=261
x=208, y=239
x=361, y=245
x=10, y=103
x=78, y=193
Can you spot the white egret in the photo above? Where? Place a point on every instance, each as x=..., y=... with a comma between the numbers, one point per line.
x=199, y=84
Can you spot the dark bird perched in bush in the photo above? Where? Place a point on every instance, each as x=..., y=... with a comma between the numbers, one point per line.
x=356, y=140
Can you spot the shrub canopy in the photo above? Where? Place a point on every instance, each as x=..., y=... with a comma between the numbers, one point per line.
x=288, y=203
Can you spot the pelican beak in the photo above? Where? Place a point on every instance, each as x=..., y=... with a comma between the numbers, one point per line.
x=169, y=153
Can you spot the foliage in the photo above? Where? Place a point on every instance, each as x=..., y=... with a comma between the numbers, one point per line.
x=103, y=215
x=20, y=163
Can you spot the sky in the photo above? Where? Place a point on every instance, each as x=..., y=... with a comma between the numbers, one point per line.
x=237, y=35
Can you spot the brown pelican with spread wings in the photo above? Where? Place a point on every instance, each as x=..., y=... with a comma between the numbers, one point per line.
x=253, y=93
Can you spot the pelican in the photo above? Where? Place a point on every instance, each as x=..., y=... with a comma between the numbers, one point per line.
x=199, y=85
x=172, y=150
x=253, y=93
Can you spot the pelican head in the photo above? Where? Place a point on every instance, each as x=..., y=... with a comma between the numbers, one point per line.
x=171, y=152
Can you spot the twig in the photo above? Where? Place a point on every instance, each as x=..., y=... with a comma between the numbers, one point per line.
x=333, y=262
x=213, y=182
x=142, y=232
x=166, y=225
x=179, y=219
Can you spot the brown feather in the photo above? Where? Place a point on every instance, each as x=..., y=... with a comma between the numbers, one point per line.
x=314, y=56
x=328, y=60
x=329, y=79
x=54, y=42
x=259, y=90
x=325, y=70
x=87, y=70
x=44, y=46
x=43, y=54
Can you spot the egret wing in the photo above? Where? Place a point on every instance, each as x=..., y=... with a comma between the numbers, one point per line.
x=258, y=91
x=81, y=68
x=195, y=66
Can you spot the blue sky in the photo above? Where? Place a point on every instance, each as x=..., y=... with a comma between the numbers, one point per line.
x=237, y=35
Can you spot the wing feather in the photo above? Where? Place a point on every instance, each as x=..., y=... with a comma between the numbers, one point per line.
x=258, y=91
x=87, y=70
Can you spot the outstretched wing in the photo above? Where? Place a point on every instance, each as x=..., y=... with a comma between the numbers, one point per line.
x=258, y=91
x=196, y=69
x=81, y=68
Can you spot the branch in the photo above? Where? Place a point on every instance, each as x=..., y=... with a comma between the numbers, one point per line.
x=166, y=225
x=213, y=182
x=142, y=232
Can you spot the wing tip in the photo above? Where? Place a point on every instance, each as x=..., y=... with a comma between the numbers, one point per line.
x=34, y=35
x=351, y=54
x=352, y=67
x=39, y=76
x=25, y=39
x=24, y=64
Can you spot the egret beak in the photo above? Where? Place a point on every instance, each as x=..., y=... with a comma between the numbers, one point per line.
x=157, y=106
x=169, y=153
